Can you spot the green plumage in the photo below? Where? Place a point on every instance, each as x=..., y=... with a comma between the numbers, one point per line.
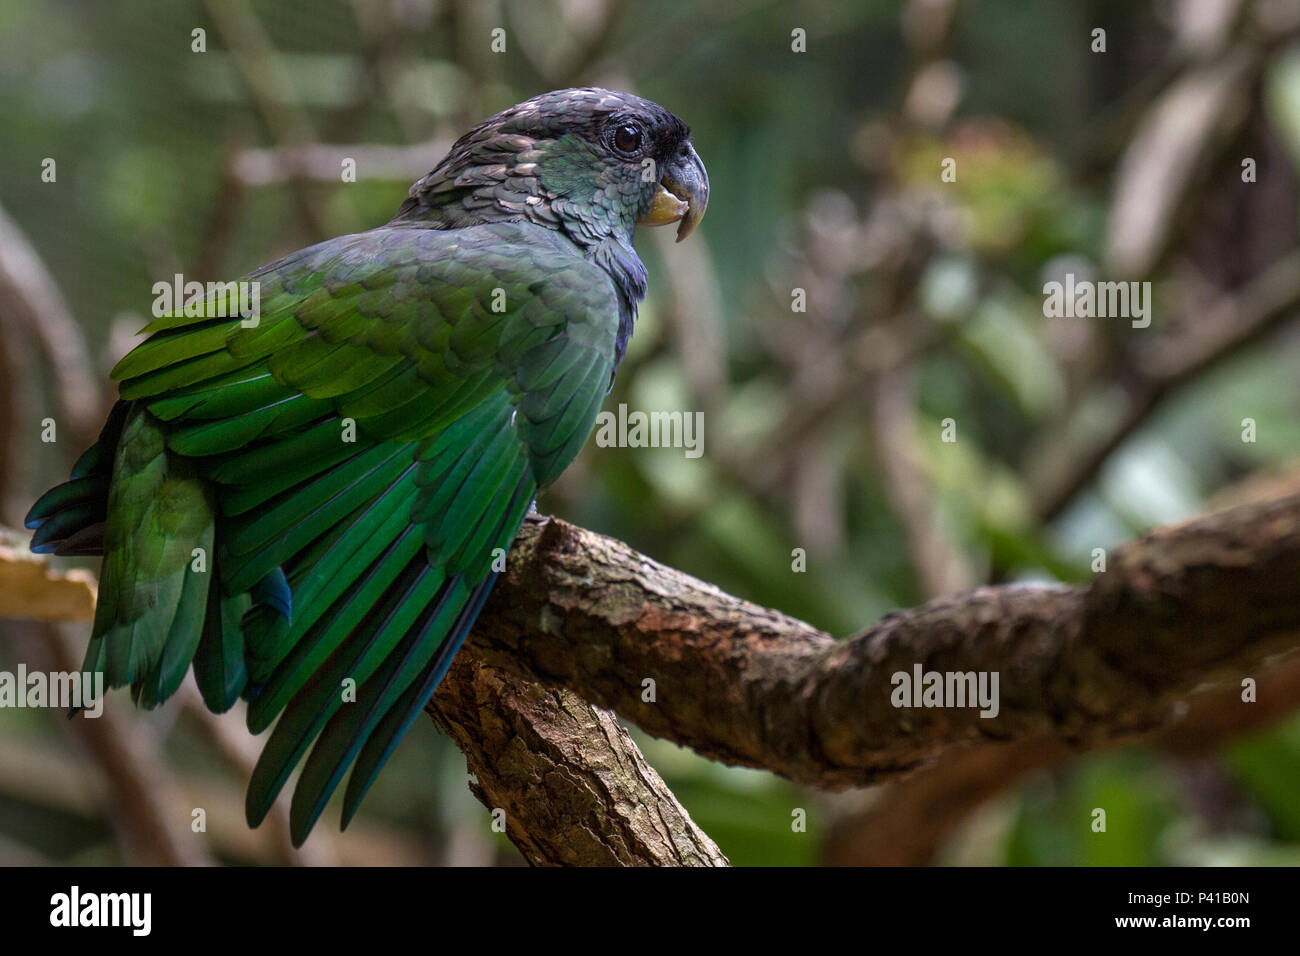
x=309, y=509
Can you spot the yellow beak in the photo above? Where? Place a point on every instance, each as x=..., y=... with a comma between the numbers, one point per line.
x=682, y=196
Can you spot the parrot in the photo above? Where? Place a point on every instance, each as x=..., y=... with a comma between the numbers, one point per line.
x=308, y=506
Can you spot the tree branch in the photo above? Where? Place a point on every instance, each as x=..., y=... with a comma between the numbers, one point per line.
x=747, y=685
x=907, y=822
x=146, y=808
x=574, y=787
x=1079, y=667
x=1058, y=473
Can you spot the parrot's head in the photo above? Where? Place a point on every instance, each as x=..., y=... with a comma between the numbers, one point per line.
x=591, y=162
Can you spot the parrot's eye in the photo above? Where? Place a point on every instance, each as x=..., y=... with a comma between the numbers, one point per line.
x=627, y=138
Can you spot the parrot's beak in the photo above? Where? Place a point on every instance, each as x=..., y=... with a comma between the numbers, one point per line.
x=683, y=194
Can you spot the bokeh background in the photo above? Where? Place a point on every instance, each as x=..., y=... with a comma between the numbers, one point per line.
x=923, y=302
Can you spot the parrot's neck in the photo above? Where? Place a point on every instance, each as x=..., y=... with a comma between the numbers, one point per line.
x=625, y=268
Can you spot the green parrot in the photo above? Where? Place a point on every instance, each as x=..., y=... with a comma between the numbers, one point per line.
x=310, y=504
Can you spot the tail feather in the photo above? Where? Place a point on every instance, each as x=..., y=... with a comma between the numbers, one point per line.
x=69, y=518
x=158, y=563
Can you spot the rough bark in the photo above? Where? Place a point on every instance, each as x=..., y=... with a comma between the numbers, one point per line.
x=574, y=787
x=749, y=685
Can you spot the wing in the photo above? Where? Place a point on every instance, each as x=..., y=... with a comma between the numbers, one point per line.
x=367, y=448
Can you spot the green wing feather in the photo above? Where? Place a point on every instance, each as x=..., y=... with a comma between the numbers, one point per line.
x=371, y=442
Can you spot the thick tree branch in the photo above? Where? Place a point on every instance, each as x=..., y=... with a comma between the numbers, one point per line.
x=748, y=685
x=574, y=787
x=1078, y=667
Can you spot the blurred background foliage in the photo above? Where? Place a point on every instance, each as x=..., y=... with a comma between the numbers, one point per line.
x=924, y=302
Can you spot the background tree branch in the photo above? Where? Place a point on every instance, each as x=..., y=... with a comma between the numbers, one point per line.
x=908, y=822
x=1238, y=321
